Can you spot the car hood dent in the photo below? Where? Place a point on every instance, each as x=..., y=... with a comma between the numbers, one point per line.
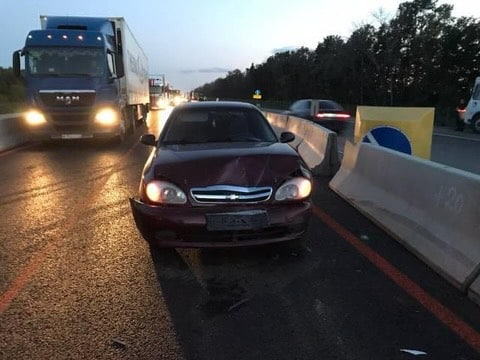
x=230, y=164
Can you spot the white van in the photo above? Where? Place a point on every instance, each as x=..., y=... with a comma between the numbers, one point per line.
x=472, y=114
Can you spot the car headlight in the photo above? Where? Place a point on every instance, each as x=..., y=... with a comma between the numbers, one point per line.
x=35, y=117
x=106, y=117
x=294, y=189
x=162, y=192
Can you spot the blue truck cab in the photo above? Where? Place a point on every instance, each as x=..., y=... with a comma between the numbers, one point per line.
x=85, y=77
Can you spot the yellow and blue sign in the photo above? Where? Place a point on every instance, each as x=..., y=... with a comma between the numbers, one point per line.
x=257, y=95
x=405, y=129
x=389, y=137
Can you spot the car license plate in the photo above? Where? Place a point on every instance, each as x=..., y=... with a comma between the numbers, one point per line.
x=244, y=220
x=72, y=136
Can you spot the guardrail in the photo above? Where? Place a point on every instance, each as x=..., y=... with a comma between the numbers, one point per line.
x=13, y=131
x=432, y=209
x=315, y=144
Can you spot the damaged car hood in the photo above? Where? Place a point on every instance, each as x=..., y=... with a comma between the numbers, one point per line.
x=241, y=164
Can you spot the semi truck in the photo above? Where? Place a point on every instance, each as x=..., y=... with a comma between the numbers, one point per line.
x=85, y=77
x=158, y=92
x=472, y=114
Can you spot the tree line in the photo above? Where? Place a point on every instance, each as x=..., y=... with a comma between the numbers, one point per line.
x=423, y=56
x=11, y=91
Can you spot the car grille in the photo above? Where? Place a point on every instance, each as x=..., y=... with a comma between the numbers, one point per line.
x=231, y=194
x=63, y=98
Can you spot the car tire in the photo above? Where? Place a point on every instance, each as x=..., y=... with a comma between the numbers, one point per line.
x=297, y=246
x=476, y=124
x=166, y=257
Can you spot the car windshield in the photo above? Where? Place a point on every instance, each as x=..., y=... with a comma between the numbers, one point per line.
x=207, y=125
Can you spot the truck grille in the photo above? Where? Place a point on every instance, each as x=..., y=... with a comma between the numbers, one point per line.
x=231, y=194
x=64, y=98
x=71, y=122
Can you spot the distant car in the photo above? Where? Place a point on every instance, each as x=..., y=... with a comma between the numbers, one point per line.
x=326, y=113
x=218, y=176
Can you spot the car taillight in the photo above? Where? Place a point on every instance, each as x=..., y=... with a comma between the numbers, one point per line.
x=332, y=115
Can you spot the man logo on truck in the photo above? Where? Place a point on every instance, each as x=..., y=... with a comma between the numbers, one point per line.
x=68, y=99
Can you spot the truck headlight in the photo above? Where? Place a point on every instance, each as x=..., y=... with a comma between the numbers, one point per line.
x=35, y=117
x=294, y=189
x=106, y=117
x=162, y=192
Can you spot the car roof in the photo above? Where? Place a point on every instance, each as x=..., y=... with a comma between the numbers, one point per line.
x=216, y=105
x=316, y=100
x=325, y=103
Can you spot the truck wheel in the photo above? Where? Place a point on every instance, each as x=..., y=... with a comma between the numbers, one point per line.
x=134, y=125
x=132, y=120
x=120, y=138
x=476, y=124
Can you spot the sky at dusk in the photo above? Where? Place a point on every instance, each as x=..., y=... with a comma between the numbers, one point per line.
x=195, y=42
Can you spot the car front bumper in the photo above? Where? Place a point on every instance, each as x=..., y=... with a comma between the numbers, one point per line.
x=187, y=226
x=332, y=124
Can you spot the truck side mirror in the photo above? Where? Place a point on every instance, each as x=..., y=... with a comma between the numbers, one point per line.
x=16, y=63
x=119, y=68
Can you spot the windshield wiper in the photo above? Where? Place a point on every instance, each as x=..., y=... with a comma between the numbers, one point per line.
x=181, y=142
x=75, y=74
x=240, y=138
x=46, y=74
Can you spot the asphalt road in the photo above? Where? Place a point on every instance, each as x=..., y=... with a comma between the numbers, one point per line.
x=456, y=149
x=78, y=282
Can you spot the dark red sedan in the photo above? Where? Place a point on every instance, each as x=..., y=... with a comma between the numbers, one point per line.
x=218, y=176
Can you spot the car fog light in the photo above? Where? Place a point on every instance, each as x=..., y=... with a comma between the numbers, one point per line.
x=35, y=117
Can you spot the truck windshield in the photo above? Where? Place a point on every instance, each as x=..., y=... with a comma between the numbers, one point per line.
x=64, y=61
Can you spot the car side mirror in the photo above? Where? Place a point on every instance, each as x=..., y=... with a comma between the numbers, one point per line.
x=286, y=137
x=148, y=139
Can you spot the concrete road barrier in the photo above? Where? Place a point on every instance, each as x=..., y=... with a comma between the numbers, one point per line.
x=318, y=146
x=474, y=291
x=13, y=131
x=315, y=144
x=300, y=128
x=430, y=208
x=277, y=120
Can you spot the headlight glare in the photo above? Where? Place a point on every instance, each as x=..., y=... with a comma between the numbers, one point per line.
x=294, y=189
x=35, y=117
x=106, y=116
x=162, y=192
